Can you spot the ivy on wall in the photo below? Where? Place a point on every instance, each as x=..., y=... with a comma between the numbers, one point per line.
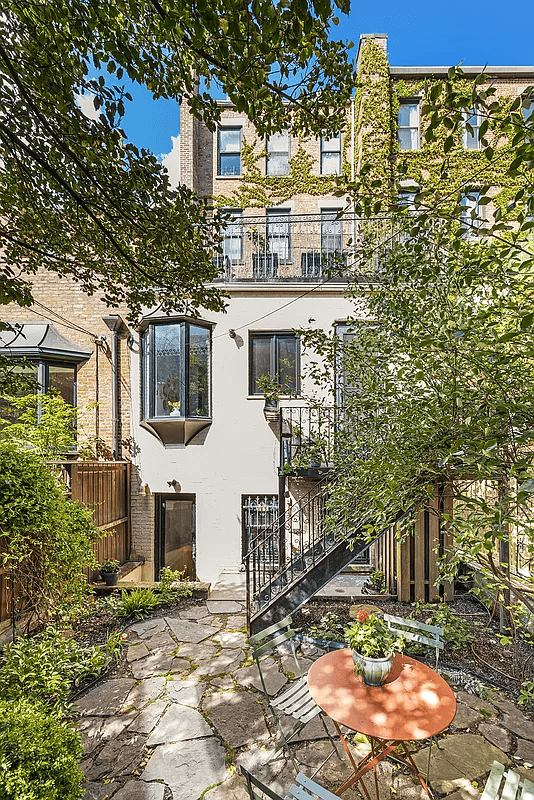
x=379, y=163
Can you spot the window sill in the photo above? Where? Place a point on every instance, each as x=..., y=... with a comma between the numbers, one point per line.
x=229, y=177
x=176, y=430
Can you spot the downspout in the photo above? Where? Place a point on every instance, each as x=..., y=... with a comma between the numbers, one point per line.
x=117, y=326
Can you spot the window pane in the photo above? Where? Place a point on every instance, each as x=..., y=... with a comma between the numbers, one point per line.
x=63, y=380
x=233, y=241
x=471, y=137
x=332, y=144
x=230, y=164
x=408, y=115
x=331, y=231
x=287, y=364
x=331, y=164
x=168, y=370
x=278, y=234
x=278, y=142
x=229, y=140
x=528, y=109
x=260, y=362
x=278, y=164
x=30, y=385
x=408, y=138
x=199, y=359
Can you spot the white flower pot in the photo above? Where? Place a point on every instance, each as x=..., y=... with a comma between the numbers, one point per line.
x=374, y=671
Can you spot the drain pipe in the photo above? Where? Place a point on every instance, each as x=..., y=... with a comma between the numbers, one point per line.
x=118, y=327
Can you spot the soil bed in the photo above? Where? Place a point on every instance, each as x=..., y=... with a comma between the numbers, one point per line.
x=504, y=666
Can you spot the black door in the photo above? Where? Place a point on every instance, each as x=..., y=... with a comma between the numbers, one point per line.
x=175, y=533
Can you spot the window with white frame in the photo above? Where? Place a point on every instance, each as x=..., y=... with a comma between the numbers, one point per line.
x=331, y=230
x=331, y=155
x=275, y=355
x=278, y=152
x=229, y=151
x=279, y=233
x=471, y=129
x=233, y=236
x=176, y=362
x=470, y=218
x=408, y=124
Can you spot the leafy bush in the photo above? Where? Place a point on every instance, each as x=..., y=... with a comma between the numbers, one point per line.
x=329, y=629
x=526, y=694
x=377, y=580
x=44, y=667
x=169, y=593
x=45, y=538
x=38, y=754
x=137, y=603
x=456, y=631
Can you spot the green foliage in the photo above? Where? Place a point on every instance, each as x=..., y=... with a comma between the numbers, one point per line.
x=38, y=754
x=88, y=203
x=371, y=637
x=136, y=603
x=329, y=629
x=44, y=423
x=45, y=538
x=377, y=580
x=110, y=565
x=43, y=668
x=456, y=631
x=169, y=592
x=526, y=694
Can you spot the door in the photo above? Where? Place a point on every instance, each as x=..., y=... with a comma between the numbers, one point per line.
x=175, y=533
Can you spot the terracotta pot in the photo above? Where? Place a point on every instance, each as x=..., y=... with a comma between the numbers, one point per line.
x=374, y=671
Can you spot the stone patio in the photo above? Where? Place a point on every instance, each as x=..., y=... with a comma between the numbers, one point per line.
x=190, y=711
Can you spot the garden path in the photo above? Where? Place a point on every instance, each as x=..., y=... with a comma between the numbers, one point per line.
x=188, y=710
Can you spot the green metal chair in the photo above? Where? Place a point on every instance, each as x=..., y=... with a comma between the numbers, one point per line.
x=508, y=785
x=428, y=635
x=296, y=701
x=303, y=789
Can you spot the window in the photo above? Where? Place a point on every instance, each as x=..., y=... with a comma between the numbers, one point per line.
x=408, y=125
x=45, y=356
x=470, y=216
x=471, y=129
x=406, y=200
x=233, y=237
x=331, y=155
x=527, y=106
x=229, y=151
x=279, y=233
x=176, y=370
x=331, y=231
x=278, y=154
x=278, y=356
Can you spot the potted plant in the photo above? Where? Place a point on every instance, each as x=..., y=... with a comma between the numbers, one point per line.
x=174, y=405
x=373, y=646
x=271, y=389
x=109, y=571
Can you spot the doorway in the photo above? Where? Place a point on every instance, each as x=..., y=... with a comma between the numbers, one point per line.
x=175, y=533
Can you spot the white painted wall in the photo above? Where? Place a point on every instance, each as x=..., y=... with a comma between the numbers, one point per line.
x=240, y=452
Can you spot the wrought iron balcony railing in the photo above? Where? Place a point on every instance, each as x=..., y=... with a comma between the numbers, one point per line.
x=298, y=247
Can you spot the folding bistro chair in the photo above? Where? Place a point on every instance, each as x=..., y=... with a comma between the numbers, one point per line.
x=303, y=789
x=507, y=785
x=429, y=635
x=296, y=701
x=420, y=632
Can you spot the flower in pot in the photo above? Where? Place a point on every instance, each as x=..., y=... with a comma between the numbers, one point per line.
x=174, y=406
x=373, y=646
x=109, y=570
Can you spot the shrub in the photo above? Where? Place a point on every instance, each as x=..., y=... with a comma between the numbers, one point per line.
x=44, y=667
x=137, y=603
x=45, y=538
x=38, y=754
x=329, y=629
x=169, y=593
x=456, y=631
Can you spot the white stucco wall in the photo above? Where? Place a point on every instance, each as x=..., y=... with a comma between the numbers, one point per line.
x=240, y=452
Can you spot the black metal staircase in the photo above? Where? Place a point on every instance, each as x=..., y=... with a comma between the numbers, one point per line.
x=290, y=562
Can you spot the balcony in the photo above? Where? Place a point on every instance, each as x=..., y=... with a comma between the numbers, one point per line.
x=280, y=247
x=307, y=440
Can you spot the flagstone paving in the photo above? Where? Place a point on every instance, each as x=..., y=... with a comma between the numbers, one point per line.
x=188, y=710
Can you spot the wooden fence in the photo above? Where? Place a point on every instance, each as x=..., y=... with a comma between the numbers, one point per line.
x=410, y=566
x=104, y=487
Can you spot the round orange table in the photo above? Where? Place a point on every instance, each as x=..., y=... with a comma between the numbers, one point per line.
x=415, y=703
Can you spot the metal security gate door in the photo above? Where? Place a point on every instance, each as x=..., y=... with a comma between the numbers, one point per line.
x=259, y=513
x=175, y=533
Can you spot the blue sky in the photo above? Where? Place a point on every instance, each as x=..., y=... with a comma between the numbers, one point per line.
x=419, y=33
